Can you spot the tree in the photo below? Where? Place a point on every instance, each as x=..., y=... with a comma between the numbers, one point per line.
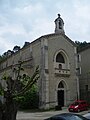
x=9, y=53
x=0, y=58
x=30, y=100
x=16, y=48
x=26, y=44
x=81, y=45
x=5, y=55
x=16, y=88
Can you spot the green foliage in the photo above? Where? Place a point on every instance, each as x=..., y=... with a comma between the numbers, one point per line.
x=31, y=81
x=2, y=58
x=81, y=45
x=22, y=88
x=1, y=90
x=19, y=90
x=5, y=76
x=16, y=48
x=29, y=100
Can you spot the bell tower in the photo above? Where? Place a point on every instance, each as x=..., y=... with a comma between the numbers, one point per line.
x=59, y=25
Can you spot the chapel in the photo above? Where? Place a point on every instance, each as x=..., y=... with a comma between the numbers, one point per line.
x=56, y=55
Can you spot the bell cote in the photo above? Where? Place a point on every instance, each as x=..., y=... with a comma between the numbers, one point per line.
x=59, y=25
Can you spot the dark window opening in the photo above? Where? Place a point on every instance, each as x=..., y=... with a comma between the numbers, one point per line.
x=60, y=66
x=60, y=25
x=60, y=58
x=60, y=85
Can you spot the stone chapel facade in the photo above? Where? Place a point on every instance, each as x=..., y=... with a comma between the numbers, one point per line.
x=56, y=56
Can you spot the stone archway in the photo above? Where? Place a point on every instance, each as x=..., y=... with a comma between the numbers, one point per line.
x=61, y=94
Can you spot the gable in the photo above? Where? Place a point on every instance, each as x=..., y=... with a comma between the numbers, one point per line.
x=54, y=35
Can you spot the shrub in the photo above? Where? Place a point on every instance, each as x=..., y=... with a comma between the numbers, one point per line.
x=30, y=99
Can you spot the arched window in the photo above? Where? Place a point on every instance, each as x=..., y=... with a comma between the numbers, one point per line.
x=60, y=24
x=60, y=58
x=60, y=85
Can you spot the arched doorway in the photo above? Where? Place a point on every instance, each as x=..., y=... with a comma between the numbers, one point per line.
x=61, y=94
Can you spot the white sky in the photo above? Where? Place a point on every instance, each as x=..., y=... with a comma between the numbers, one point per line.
x=26, y=20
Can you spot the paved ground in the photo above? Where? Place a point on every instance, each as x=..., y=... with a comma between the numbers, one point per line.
x=40, y=115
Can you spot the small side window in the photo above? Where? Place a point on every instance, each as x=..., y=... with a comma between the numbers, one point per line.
x=79, y=58
x=60, y=66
